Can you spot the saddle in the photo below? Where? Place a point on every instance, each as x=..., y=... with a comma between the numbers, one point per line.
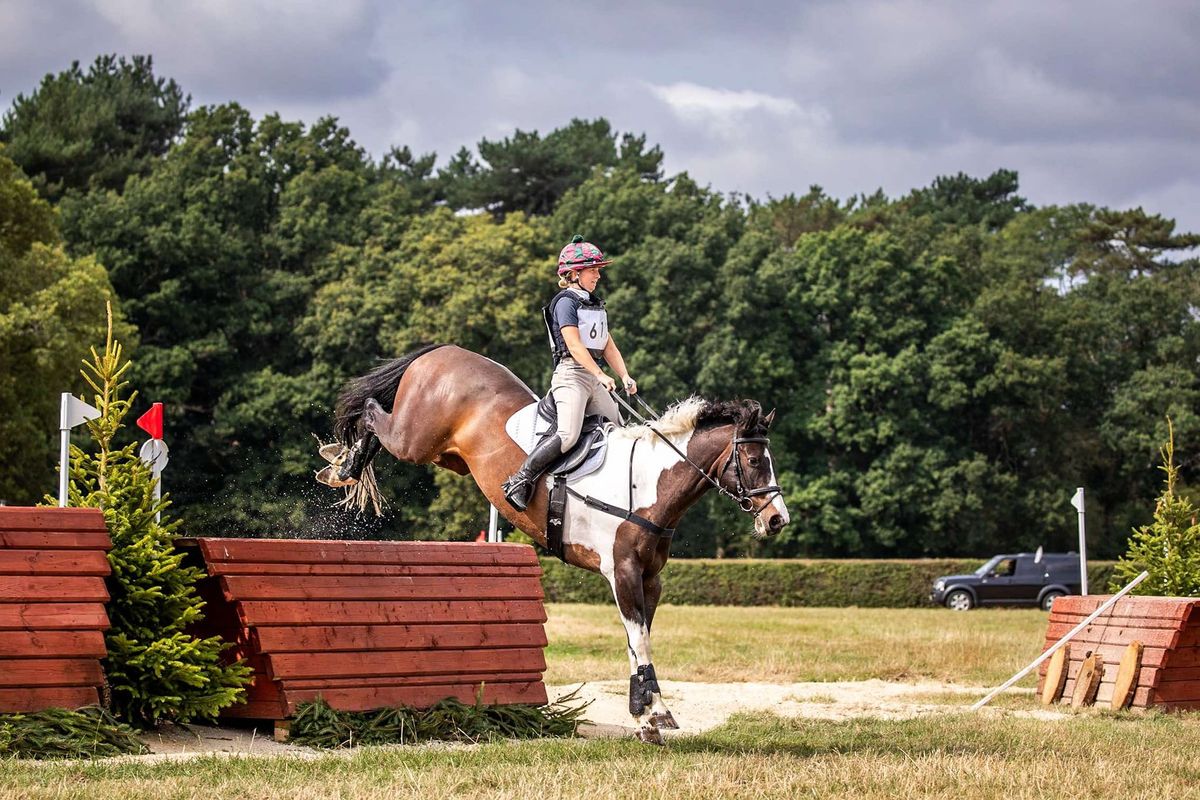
x=529, y=425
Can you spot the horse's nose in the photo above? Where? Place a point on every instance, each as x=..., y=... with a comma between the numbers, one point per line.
x=775, y=523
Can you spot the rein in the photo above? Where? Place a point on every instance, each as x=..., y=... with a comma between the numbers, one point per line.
x=744, y=496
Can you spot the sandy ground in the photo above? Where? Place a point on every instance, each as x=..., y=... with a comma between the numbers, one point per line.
x=700, y=706
x=697, y=707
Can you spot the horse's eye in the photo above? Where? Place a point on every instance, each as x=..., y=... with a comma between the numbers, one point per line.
x=754, y=461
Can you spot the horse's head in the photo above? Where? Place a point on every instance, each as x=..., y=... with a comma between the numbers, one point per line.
x=748, y=471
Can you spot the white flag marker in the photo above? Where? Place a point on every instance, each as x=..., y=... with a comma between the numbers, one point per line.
x=71, y=412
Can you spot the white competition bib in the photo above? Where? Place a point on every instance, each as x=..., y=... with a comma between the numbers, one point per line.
x=593, y=327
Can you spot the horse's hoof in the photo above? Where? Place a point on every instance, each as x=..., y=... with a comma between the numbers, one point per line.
x=329, y=477
x=649, y=735
x=333, y=452
x=663, y=720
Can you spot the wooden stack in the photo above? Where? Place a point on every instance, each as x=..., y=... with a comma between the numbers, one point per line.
x=52, y=618
x=366, y=625
x=1168, y=628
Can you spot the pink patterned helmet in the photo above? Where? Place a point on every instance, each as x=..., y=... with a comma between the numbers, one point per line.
x=580, y=255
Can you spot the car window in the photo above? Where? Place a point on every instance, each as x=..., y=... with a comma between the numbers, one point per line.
x=989, y=566
x=1027, y=566
x=1005, y=567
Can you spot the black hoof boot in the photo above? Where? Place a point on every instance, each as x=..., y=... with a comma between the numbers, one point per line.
x=361, y=454
x=518, y=489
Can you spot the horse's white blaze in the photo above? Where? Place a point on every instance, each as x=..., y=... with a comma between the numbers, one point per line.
x=777, y=500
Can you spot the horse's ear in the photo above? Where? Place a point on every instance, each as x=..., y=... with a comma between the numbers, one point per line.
x=769, y=418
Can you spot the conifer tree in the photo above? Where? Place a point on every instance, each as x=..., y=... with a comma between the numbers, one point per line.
x=156, y=671
x=1169, y=548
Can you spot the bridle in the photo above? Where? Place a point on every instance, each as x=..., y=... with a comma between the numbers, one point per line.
x=742, y=496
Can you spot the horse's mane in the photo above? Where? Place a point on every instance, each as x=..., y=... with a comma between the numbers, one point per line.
x=696, y=413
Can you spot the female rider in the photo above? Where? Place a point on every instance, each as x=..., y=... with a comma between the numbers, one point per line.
x=582, y=346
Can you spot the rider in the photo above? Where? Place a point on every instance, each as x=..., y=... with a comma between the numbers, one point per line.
x=582, y=346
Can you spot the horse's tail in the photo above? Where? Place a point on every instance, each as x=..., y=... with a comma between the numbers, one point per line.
x=381, y=384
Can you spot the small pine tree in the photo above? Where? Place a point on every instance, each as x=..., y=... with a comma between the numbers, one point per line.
x=156, y=671
x=1169, y=548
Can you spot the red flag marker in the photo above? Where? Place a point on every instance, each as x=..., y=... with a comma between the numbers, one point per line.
x=152, y=421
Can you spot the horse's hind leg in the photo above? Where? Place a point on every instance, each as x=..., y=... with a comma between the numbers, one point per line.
x=643, y=684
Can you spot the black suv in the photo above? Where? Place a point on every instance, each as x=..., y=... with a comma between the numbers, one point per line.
x=1010, y=580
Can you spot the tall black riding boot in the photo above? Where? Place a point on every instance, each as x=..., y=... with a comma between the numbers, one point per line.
x=519, y=488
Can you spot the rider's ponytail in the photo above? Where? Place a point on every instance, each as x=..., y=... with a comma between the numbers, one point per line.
x=564, y=280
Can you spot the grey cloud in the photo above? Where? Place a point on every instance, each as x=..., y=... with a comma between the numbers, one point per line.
x=1093, y=102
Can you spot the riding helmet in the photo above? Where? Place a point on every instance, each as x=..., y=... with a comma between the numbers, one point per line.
x=580, y=255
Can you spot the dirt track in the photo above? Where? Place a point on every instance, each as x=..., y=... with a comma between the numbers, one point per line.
x=700, y=706
x=697, y=707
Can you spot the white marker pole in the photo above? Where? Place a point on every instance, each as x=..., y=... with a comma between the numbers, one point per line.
x=1107, y=604
x=1077, y=501
x=71, y=412
x=155, y=453
x=493, y=524
x=64, y=448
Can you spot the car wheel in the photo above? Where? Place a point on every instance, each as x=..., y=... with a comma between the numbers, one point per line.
x=959, y=600
x=1048, y=600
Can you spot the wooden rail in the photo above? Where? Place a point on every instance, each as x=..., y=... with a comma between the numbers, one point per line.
x=52, y=618
x=366, y=625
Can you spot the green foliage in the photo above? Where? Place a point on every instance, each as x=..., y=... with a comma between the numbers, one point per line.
x=754, y=582
x=93, y=130
x=530, y=173
x=58, y=733
x=48, y=305
x=318, y=725
x=947, y=365
x=1168, y=548
x=155, y=670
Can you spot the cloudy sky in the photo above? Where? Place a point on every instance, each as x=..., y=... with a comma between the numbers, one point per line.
x=1091, y=100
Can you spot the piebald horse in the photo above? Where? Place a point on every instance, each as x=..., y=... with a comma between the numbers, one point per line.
x=448, y=406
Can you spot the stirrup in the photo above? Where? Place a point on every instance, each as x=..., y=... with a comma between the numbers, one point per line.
x=518, y=491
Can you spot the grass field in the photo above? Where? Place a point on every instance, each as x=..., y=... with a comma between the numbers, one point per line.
x=1000, y=753
x=717, y=644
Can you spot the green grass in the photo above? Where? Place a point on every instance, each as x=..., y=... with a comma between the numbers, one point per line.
x=1001, y=752
x=953, y=755
x=707, y=643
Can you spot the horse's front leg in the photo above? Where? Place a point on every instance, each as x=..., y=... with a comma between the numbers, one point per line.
x=643, y=685
x=660, y=716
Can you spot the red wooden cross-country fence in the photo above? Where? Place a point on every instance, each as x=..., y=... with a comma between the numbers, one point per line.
x=52, y=617
x=367, y=625
x=1168, y=629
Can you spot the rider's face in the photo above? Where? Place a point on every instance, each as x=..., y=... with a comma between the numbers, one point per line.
x=588, y=278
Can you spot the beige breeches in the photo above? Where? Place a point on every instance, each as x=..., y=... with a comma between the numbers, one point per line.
x=578, y=393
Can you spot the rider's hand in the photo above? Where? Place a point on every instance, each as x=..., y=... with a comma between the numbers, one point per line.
x=630, y=385
x=607, y=382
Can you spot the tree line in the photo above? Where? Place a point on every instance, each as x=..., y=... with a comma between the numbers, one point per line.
x=947, y=365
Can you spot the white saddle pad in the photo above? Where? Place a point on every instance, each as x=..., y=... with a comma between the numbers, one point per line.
x=526, y=426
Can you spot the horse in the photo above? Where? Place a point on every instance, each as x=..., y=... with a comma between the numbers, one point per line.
x=445, y=405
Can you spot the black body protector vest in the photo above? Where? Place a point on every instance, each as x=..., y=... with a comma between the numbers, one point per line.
x=593, y=326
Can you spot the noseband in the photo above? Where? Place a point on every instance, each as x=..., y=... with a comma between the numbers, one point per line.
x=742, y=496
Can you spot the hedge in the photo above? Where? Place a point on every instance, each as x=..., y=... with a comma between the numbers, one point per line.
x=747, y=582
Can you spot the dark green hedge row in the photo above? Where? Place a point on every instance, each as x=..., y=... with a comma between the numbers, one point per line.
x=744, y=582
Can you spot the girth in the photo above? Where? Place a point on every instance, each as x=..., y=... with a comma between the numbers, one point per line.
x=557, y=512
